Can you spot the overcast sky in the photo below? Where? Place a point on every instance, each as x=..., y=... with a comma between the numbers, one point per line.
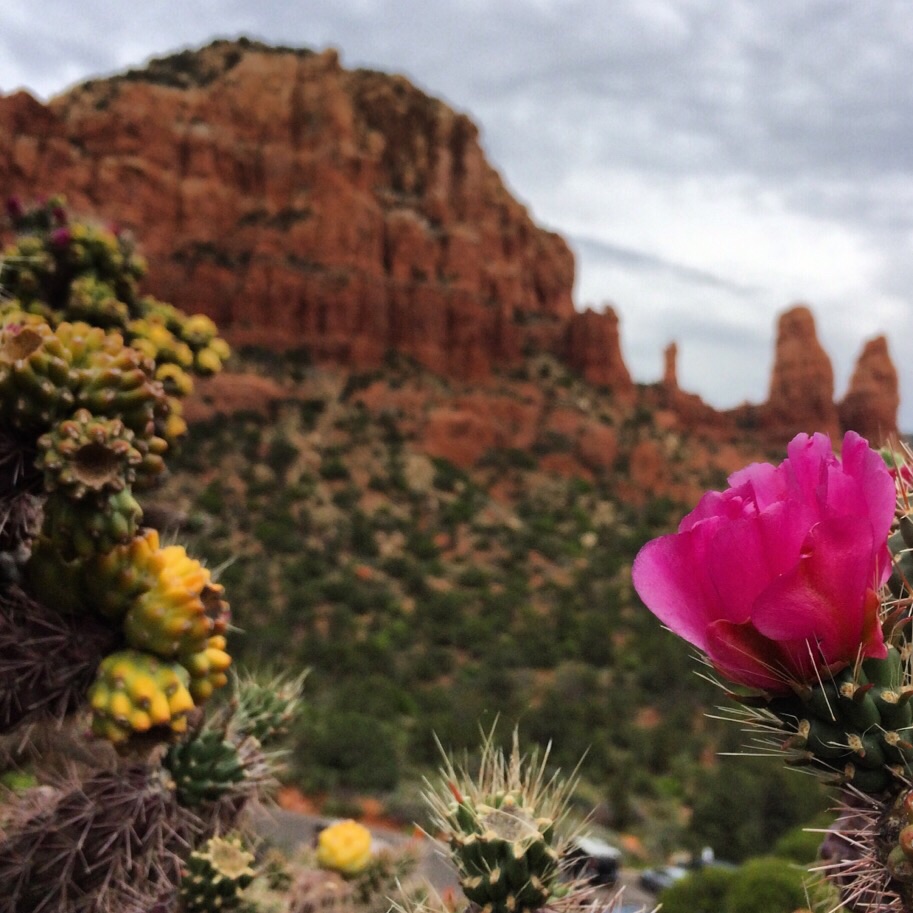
x=711, y=163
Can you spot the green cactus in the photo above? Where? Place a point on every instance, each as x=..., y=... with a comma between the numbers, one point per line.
x=204, y=767
x=855, y=726
x=82, y=529
x=265, y=709
x=213, y=878
x=502, y=827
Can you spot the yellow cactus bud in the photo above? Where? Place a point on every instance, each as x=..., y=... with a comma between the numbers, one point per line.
x=344, y=847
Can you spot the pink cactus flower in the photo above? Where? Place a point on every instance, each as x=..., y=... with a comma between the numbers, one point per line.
x=61, y=237
x=776, y=578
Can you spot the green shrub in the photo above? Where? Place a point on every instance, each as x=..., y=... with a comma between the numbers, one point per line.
x=767, y=885
x=703, y=891
x=332, y=468
x=799, y=845
x=281, y=454
x=347, y=749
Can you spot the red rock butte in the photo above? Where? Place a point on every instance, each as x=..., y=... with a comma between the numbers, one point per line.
x=302, y=205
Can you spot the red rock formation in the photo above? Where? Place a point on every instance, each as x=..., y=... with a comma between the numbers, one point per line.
x=304, y=205
x=802, y=384
x=670, y=370
x=871, y=402
x=594, y=350
x=301, y=204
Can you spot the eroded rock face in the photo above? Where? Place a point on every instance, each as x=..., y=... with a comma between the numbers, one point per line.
x=802, y=383
x=873, y=397
x=302, y=204
x=346, y=212
x=594, y=350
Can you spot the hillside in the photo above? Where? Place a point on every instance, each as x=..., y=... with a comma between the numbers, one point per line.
x=428, y=599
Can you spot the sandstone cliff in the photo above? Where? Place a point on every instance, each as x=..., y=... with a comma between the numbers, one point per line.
x=348, y=213
x=304, y=205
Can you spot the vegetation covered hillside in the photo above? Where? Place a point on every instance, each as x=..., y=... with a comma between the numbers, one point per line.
x=428, y=600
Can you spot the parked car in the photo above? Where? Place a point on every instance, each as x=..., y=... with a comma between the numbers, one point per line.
x=594, y=860
x=656, y=880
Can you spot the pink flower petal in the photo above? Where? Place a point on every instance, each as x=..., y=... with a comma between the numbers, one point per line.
x=670, y=577
x=743, y=655
x=820, y=605
x=745, y=555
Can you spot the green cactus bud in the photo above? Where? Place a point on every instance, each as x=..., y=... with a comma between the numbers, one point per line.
x=82, y=529
x=853, y=727
x=214, y=877
x=204, y=768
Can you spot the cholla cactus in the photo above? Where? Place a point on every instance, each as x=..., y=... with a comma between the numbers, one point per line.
x=102, y=627
x=505, y=830
x=813, y=632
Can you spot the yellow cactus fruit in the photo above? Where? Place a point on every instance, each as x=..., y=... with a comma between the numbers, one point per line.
x=207, y=361
x=153, y=338
x=111, y=378
x=198, y=331
x=180, y=611
x=175, y=380
x=96, y=303
x=114, y=581
x=85, y=456
x=207, y=668
x=35, y=376
x=344, y=847
x=134, y=692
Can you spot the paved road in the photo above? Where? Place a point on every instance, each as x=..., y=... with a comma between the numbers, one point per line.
x=289, y=830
